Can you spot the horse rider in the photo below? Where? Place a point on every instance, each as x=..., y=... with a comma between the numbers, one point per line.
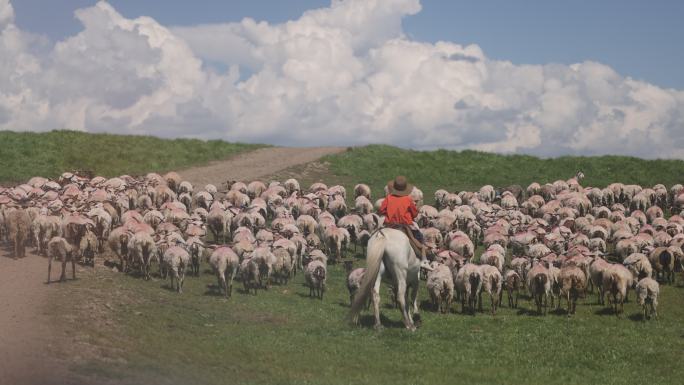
x=400, y=211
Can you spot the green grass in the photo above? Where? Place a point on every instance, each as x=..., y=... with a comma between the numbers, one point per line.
x=27, y=154
x=281, y=336
x=470, y=170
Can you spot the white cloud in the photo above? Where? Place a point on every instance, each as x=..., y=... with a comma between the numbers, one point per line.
x=346, y=74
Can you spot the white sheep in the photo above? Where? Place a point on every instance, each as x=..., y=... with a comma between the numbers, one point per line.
x=617, y=280
x=491, y=283
x=647, y=291
x=142, y=248
x=539, y=285
x=468, y=284
x=572, y=281
x=176, y=259
x=354, y=278
x=58, y=248
x=440, y=286
x=512, y=282
x=225, y=264
x=315, y=275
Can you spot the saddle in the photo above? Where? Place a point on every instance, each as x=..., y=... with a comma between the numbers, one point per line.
x=418, y=247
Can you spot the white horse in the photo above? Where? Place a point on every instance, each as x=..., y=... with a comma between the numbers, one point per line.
x=389, y=251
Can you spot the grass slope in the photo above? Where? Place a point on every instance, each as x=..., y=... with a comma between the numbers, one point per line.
x=470, y=170
x=27, y=154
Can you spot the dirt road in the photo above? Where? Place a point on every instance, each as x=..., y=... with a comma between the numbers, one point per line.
x=28, y=334
x=27, y=340
x=255, y=164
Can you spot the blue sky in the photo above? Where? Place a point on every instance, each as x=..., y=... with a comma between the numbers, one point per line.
x=638, y=38
x=547, y=78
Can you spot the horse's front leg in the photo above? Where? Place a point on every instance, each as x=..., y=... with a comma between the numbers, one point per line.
x=414, y=302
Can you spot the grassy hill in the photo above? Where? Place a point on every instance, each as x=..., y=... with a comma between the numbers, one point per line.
x=27, y=154
x=469, y=170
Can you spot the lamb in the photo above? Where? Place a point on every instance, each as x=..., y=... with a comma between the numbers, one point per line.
x=468, y=284
x=249, y=273
x=362, y=205
x=118, y=242
x=196, y=248
x=334, y=238
x=647, y=291
x=315, y=276
x=572, y=282
x=18, y=224
x=440, y=285
x=291, y=185
x=539, y=285
x=512, y=281
x=491, y=283
x=88, y=247
x=58, y=248
x=225, y=264
x=176, y=259
x=354, y=278
x=362, y=190
x=639, y=265
x=616, y=281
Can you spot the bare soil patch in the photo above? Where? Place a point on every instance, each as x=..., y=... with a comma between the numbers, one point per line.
x=255, y=164
x=28, y=339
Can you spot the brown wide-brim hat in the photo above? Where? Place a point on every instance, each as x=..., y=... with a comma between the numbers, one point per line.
x=399, y=186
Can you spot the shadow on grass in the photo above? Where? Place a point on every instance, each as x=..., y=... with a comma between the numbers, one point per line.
x=605, y=311
x=368, y=321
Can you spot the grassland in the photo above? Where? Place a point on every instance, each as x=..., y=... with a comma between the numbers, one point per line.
x=27, y=154
x=469, y=170
x=281, y=336
x=141, y=332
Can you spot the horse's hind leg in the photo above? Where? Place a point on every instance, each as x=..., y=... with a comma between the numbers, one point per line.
x=403, y=305
x=376, y=306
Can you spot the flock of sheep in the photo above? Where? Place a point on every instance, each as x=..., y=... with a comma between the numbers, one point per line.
x=563, y=239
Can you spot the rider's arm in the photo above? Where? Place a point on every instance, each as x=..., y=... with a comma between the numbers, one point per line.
x=383, y=208
x=413, y=210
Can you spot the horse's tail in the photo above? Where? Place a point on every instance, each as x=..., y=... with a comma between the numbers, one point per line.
x=376, y=250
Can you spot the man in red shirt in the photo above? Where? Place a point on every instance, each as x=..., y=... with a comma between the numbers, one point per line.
x=399, y=209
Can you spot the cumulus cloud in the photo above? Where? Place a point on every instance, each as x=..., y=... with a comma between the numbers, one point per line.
x=342, y=75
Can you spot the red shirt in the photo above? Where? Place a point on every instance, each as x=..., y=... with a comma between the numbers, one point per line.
x=398, y=209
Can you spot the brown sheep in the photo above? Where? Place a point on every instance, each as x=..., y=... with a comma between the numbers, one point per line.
x=18, y=224
x=573, y=281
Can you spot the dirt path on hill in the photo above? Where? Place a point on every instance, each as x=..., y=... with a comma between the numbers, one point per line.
x=255, y=164
x=31, y=335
